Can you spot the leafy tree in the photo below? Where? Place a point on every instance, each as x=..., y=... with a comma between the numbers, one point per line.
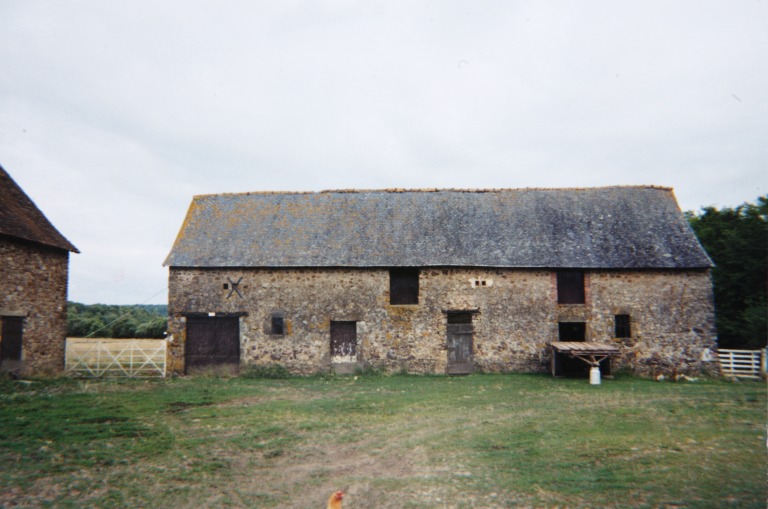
x=110, y=321
x=155, y=328
x=737, y=241
x=124, y=327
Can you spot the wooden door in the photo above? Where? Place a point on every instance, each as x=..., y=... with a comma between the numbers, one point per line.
x=12, y=330
x=211, y=341
x=343, y=341
x=460, y=343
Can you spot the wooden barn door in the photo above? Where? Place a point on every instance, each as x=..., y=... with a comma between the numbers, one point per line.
x=460, y=340
x=10, y=335
x=212, y=341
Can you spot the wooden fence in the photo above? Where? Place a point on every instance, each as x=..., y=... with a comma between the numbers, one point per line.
x=742, y=363
x=115, y=357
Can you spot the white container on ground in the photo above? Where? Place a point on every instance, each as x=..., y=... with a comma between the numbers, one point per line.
x=594, y=375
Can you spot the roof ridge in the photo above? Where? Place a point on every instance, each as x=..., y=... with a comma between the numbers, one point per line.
x=397, y=190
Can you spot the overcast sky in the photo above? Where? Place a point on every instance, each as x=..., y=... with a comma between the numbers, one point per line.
x=114, y=114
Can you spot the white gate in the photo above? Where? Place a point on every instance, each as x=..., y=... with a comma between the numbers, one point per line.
x=742, y=363
x=116, y=357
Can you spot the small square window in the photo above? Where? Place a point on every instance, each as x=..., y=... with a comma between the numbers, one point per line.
x=622, y=326
x=278, y=325
x=226, y=286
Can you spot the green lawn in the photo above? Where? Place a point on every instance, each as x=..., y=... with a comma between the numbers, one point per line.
x=479, y=441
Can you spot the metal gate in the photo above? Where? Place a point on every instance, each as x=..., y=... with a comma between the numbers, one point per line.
x=211, y=341
x=459, y=342
x=115, y=357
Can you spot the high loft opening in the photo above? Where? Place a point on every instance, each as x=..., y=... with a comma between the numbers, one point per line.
x=570, y=287
x=403, y=286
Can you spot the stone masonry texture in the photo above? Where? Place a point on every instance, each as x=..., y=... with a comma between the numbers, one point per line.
x=515, y=316
x=33, y=285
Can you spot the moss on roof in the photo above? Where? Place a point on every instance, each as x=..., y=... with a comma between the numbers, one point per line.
x=607, y=227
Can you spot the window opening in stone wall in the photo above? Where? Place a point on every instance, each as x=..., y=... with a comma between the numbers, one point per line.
x=622, y=326
x=278, y=325
x=572, y=331
x=404, y=286
x=459, y=317
x=570, y=287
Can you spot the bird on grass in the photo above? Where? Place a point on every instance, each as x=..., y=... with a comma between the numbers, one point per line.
x=335, y=501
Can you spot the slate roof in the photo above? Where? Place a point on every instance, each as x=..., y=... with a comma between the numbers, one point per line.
x=20, y=218
x=608, y=227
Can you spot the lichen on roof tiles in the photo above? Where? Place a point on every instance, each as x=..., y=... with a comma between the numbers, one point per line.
x=608, y=227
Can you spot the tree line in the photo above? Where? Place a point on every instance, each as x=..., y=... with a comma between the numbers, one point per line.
x=737, y=241
x=112, y=321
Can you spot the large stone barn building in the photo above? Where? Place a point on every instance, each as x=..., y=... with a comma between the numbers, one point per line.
x=438, y=281
x=34, y=268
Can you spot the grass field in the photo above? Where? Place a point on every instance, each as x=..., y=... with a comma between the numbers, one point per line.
x=483, y=441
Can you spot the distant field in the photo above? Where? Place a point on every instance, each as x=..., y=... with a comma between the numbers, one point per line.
x=483, y=441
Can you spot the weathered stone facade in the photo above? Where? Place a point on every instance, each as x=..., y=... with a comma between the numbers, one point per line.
x=33, y=287
x=515, y=316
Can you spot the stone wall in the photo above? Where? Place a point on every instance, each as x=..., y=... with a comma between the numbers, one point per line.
x=33, y=285
x=515, y=316
x=672, y=318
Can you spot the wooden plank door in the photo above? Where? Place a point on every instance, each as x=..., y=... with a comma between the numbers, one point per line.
x=343, y=342
x=11, y=334
x=212, y=341
x=460, y=343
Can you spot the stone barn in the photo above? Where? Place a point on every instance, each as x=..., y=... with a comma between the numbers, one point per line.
x=438, y=281
x=34, y=273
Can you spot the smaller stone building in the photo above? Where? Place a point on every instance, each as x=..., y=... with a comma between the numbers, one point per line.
x=34, y=268
x=438, y=281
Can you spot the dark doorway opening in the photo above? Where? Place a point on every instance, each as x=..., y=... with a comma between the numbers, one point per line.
x=11, y=334
x=566, y=365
